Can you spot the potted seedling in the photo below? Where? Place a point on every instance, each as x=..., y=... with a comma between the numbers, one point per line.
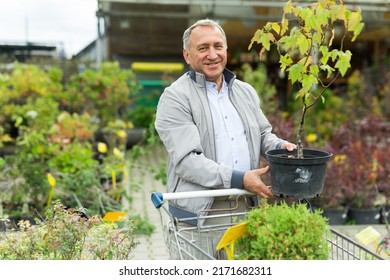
x=305, y=40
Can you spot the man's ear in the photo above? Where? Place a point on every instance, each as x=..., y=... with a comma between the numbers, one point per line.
x=186, y=55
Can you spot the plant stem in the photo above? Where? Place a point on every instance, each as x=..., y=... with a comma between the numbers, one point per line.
x=300, y=130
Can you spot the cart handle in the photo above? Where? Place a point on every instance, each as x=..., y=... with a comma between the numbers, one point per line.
x=158, y=198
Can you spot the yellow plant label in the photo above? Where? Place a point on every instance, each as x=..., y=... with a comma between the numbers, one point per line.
x=368, y=236
x=114, y=216
x=229, y=237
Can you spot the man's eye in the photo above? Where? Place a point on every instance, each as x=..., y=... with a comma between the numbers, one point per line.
x=202, y=49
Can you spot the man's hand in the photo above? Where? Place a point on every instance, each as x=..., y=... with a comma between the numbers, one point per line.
x=289, y=146
x=253, y=183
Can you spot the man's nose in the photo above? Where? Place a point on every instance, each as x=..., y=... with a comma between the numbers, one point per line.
x=212, y=53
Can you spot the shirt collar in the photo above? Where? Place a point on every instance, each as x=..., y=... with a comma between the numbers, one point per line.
x=212, y=86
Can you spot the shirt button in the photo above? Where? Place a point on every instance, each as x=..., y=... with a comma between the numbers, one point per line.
x=232, y=138
x=225, y=117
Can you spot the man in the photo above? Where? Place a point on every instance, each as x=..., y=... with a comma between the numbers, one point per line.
x=212, y=126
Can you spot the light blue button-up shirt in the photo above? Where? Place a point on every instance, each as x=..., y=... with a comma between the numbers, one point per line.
x=230, y=137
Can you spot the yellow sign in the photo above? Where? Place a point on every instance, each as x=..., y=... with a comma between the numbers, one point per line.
x=368, y=236
x=114, y=216
x=230, y=236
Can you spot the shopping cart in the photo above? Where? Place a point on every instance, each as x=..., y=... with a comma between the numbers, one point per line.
x=182, y=240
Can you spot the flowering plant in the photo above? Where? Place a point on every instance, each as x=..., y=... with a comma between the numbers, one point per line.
x=65, y=234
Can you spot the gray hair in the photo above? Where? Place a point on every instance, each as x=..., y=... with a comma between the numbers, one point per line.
x=201, y=22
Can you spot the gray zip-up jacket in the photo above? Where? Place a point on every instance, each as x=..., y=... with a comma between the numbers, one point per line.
x=184, y=124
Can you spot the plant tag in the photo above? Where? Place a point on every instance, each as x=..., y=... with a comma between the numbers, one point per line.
x=230, y=236
x=368, y=235
x=114, y=216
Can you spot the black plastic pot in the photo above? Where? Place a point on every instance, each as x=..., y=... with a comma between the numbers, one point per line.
x=302, y=178
x=365, y=216
x=336, y=216
x=385, y=214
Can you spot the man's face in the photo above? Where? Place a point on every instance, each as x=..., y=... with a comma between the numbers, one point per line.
x=207, y=52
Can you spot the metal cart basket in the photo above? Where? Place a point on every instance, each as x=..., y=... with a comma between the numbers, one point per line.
x=182, y=240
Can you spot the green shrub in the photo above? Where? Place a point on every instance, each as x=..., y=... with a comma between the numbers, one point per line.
x=283, y=232
x=66, y=235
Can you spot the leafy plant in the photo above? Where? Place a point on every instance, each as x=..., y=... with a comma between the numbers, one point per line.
x=259, y=80
x=141, y=225
x=28, y=96
x=304, y=40
x=65, y=234
x=283, y=232
x=105, y=94
x=73, y=128
x=361, y=168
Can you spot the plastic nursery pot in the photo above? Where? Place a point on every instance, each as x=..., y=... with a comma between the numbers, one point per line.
x=302, y=178
x=365, y=216
x=336, y=216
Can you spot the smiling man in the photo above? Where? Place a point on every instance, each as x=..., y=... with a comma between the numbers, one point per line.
x=212, y=127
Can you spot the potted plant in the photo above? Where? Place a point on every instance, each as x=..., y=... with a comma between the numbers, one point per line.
x=305, y=41
x=283, y=232
x=106, y=95
x=362, y=167
x=333, y=201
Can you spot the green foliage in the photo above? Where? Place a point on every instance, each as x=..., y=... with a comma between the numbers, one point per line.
x=70, y=128
x=141, y=225
x=160, y=173
x=283, y=232
x=28, y=98
x=30, y=82
x=142, y=116
x=55, y=127
x=259, y=80
x=105, y=94
x=65, y=235
x=304, y=39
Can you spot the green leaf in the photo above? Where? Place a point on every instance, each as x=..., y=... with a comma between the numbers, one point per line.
x=308, y=81
x=322, y=15
x=328, y=69
x=265, y=42
x=255, y=38
x=288, y=7
x=284, y=24
x=357, y=31
x=354, y=20
x=314, y=70
x=275, y=27
x=334, y=54
x=317, y=38
x=343, y=64
x=337, y=12
x=295, y=73
x=315, y=23
x=285, y=61
x=18, y=121
x=303, y=43
x=324, y=59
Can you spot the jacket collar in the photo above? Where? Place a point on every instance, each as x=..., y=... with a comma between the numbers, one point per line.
x=200, y=79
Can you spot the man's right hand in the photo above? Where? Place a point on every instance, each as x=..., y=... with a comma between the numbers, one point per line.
x=253, y=183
